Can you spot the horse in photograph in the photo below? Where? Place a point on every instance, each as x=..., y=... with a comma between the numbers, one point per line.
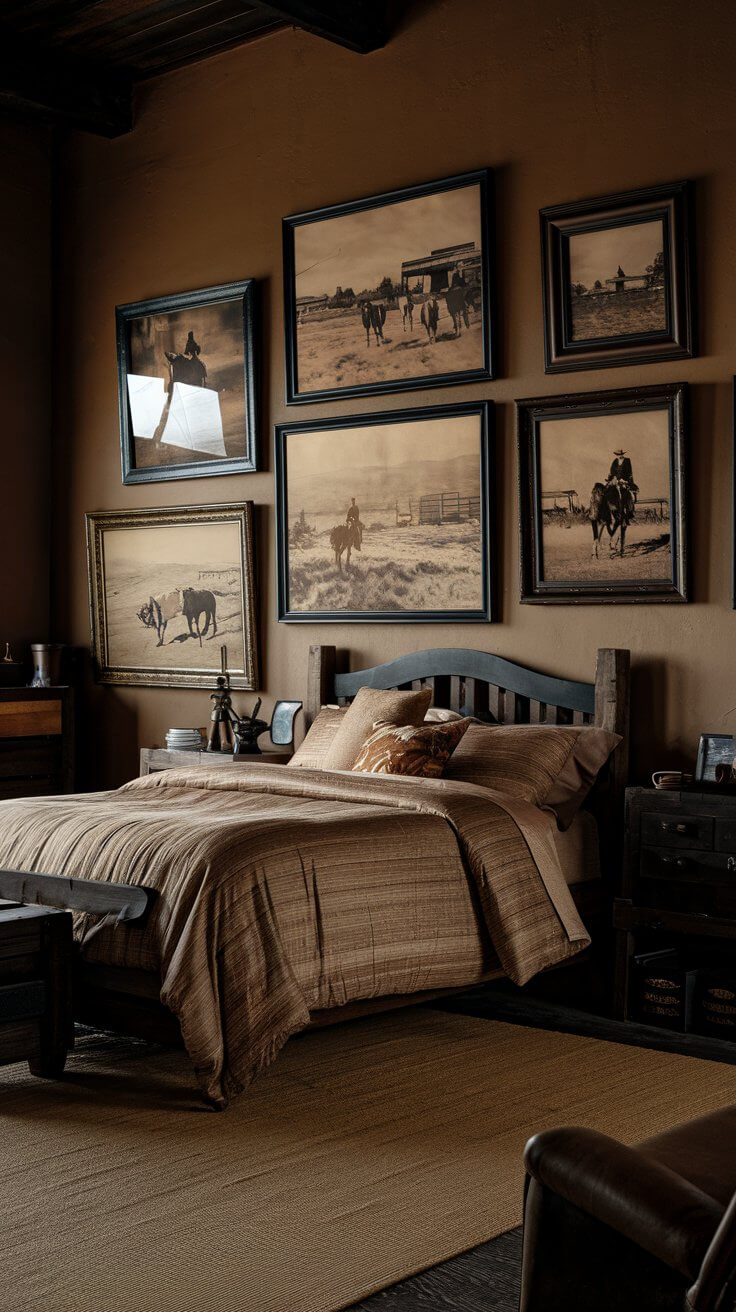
x=346, y=538
x=612, y=508
x=374, y=317
x=406, y=306
x=457, y=307
x=192, y=603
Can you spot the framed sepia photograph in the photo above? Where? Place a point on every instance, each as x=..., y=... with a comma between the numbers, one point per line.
x=602, y=496
x=617, y=278
x=168, y=590
x=392, y=292
x=186, y=384
x=386, y=517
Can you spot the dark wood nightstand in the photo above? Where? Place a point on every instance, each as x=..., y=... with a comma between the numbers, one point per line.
x=154, y=759
x=36, y=1022
x=678, y=887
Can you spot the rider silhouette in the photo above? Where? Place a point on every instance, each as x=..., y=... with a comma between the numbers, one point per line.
x=621, y=471
x=353, y=515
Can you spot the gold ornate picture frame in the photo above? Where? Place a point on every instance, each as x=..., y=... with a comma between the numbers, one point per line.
x=168, y=589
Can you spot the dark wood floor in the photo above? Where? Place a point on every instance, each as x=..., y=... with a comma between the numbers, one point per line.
x=485, y=1279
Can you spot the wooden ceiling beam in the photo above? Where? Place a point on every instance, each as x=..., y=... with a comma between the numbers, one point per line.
x=38, y=81
x=360, y=25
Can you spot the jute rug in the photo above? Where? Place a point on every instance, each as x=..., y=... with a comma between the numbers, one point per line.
x=369, y=1151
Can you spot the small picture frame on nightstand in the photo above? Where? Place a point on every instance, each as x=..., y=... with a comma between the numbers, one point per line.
x=713, y=749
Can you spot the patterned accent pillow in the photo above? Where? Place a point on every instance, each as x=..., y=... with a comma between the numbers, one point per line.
x=408, y=749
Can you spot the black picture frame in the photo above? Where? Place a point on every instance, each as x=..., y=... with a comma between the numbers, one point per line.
x=668, y=289
x=483, y=612
x=713, y=749
x=296, y=393
x=244, y=292
x=570, y=508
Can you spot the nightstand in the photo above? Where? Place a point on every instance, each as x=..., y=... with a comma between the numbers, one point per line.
x=154, y=759
x=678, y=888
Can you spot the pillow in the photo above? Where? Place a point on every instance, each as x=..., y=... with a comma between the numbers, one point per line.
x=370, y=706
x=310, y=753
x=548, y=765
x=406, y=749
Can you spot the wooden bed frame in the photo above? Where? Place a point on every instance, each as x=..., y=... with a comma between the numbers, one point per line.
x=474, y=683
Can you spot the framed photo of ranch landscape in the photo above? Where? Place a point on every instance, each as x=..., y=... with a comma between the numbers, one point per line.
x=602, y=496
x=392, y=292
x=168, y=589
x=186, y=384
x=386, y=517
x=617, y=278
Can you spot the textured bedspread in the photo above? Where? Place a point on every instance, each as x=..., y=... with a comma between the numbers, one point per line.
x=282, y=892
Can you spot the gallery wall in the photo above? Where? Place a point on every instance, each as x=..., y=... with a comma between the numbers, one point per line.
x=563, y=101
x=25, y=352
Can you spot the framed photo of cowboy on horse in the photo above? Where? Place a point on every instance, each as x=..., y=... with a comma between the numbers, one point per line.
x=391, y=292
x=602, y=496
x=618, y=279
x=386, y=517
x=168, y=590
x=186, y=384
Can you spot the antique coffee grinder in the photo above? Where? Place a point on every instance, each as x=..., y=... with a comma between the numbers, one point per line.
x=220, y=735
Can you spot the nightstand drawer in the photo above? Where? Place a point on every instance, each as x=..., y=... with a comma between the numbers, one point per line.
x=677, y=830
x=725, y=836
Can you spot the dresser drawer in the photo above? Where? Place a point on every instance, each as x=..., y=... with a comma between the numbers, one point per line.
x=660, y=829
x=725, y=836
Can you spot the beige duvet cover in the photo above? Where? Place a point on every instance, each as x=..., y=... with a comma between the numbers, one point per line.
x=284, y=892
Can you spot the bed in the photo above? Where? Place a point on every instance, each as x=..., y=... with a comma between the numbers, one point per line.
x=267, y=869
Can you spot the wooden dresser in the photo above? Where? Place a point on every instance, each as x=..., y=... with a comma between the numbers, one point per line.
x=37, y=754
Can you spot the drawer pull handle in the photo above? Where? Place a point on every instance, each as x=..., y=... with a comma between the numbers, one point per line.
x=680, y=828
x=681, y=862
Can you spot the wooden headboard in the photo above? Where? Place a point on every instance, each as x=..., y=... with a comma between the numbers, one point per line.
x=497, y=690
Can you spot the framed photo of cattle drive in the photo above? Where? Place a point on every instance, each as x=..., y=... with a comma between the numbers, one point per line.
x=602, y=496
x=186, y=384
x=391, y=292
x=386, y=517
x=168, y=590
x=617, y=277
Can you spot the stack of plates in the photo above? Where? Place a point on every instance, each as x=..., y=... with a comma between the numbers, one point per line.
x=184, y=740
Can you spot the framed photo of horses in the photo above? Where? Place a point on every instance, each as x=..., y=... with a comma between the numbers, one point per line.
x=617, y=277
x=168, y=590
x=392, y=292
x=386, y=517
x=603, y=497
x=186, y=384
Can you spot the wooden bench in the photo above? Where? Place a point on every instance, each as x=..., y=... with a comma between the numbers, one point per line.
x=36, y=1023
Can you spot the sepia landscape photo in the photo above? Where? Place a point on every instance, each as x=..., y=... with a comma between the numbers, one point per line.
x=173, y=595
x=605, y=497
x=617, y=280
x=386, y=518
x=391, y=293
x=186, y=385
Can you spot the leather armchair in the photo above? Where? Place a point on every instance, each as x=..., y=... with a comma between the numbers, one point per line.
x=616, y=1229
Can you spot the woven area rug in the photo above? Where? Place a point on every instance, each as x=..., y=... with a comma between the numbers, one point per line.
x=369, y=1151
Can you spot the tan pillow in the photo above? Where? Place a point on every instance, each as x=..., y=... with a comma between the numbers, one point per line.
x=405, y=749
x=370, y=706
x=548, y=765
x=310, y=753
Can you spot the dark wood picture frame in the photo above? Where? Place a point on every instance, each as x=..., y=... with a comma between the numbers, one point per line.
x=530, y=414
x=669, y=203
x=207, y=466
x=733, y=493
x=202, y=673
x=484, y=412
x=483, y=179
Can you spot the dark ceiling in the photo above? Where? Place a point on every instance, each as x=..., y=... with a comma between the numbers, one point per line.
x=76, y=60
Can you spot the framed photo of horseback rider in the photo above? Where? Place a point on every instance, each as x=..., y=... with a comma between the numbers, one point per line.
x=386, y=517
x=618, y=279
x=602, y=496
x=391, y=292
x=186, y=384
x=172, y=595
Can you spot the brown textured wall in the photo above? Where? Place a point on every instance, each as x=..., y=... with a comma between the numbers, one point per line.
x=25, y=426
x=563, y=100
